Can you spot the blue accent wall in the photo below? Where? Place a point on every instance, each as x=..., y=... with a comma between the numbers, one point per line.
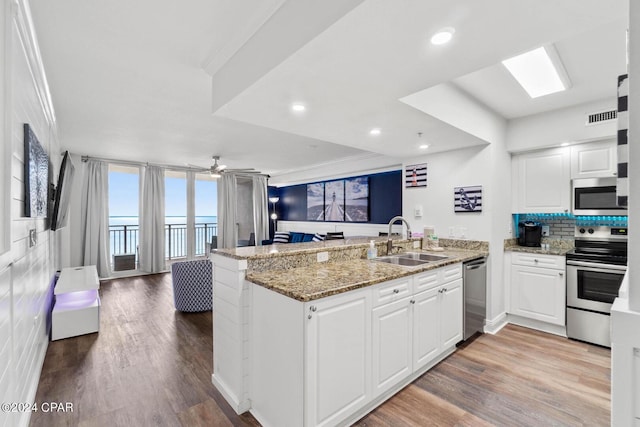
x=385, y=198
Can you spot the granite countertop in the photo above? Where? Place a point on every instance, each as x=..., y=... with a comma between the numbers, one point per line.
x=556, y=247
x=324, y=279
x=538, y=250
x=284, y=249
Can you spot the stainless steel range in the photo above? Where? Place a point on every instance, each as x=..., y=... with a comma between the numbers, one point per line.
x=595, y=269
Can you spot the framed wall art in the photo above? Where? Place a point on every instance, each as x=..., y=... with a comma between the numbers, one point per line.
x=36, y=176
x=334, y=200
x=467, y=199
x=356, y=194
x=315, y=201
x=415, y=176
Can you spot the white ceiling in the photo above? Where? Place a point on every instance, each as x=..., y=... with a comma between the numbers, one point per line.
x=128, y=79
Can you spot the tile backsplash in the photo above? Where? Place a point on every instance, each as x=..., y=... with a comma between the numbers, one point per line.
x=562, y=226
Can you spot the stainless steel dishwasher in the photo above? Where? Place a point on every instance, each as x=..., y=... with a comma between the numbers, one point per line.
x=475, y=295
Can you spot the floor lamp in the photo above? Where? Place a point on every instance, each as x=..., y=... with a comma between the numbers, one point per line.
x=274, y=215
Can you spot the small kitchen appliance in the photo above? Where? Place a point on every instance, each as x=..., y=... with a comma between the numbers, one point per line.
x=529, y=233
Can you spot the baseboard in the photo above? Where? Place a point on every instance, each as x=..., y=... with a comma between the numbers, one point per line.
x=538, y=325
x=493, y=326
x=25, y=419
x=235, y=403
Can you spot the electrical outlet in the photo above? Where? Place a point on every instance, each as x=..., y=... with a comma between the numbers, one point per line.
x=323, y=256
x=416, y=244
x=545, y=230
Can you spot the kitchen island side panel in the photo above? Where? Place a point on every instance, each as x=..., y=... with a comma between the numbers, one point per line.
x=230, y=331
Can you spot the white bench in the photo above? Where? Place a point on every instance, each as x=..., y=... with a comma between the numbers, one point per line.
x=76, y=310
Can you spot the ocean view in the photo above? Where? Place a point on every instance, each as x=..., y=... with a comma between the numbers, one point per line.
x=134, y=220
x=124, y=231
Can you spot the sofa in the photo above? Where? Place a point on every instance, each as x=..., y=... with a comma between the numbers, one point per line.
x=298, y=237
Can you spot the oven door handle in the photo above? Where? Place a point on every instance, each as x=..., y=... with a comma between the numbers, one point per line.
x=596, y=266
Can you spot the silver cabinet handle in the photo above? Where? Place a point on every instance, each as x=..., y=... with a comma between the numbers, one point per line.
x=561, y=274
x=313, y=308
x=412, y=301
x=395, y=291
x=535, y=260
x=309, y=316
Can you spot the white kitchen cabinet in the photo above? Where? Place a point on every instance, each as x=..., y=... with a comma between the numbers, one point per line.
x=338, y=358
x=310, y=361
x=426, y=335
x=451, y=314
x=538, y=293
x=543, y=181
x=392, y=344
x=325, y=362
x=409, y=334
x=594, y=160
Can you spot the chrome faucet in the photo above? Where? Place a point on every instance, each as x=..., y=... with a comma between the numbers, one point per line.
x=389, y=242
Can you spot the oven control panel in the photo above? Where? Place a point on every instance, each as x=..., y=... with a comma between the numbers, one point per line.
x=601, y=233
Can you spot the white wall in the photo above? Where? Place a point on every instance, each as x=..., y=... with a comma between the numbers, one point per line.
x=565, y=125
x=489, y=166
x=26, y=275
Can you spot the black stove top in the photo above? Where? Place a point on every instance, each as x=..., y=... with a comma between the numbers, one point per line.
x=599, y=251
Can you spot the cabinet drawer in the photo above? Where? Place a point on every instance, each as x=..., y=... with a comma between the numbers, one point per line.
x=391, y=291
x=538, y=260
x=450, y=272
x=427, y=280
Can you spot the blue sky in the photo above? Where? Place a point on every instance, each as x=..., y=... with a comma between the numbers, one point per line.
x=123, y=196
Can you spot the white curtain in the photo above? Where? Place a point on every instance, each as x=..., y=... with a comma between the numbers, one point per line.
x=95, y=217
x=260, y=209
x=152, y=256
x=227, y=211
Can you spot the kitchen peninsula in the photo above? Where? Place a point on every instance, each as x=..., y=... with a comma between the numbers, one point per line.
x=315, y=334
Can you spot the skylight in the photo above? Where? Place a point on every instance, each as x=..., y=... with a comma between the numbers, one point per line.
x=539, y=72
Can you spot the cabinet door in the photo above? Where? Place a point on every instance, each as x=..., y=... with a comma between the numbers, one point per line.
x=426, y=327
x=338, y=368
x=544, y=183
x=451, y=314
x=538, y=293
x=392, y=344
x=594, y=160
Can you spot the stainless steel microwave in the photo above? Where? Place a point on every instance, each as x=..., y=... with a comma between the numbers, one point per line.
x=595, y=196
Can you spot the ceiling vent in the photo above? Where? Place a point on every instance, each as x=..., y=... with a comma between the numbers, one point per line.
x=601, y=117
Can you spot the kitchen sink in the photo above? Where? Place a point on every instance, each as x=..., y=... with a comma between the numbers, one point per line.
x=407, y=262
x=410, y=259
x=423, y=257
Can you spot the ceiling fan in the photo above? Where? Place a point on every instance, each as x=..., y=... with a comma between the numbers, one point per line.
x=216, y=170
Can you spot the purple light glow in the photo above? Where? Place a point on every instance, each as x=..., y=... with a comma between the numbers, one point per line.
x=74, y=300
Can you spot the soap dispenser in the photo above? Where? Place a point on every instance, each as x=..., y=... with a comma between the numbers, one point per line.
x=372, y=252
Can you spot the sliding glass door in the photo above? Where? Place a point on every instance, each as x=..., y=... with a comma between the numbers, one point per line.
x=124, y=228
x=206, y=212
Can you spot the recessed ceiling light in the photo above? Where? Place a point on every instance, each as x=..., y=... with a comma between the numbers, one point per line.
x=539, y=72
x=423, y=146
x=375, y=131
x=443, y=36
x=298, y=107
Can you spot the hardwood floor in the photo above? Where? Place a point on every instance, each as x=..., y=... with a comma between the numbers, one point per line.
x=151, y=365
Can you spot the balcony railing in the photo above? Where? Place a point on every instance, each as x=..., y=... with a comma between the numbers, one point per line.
x=123, y=239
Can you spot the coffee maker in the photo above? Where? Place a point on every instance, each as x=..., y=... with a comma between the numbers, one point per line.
x=529, y=233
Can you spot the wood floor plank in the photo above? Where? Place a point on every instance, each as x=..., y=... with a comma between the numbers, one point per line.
x=152, y=365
